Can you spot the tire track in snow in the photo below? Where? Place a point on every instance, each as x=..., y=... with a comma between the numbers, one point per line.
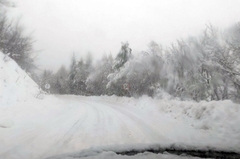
x=64, y=140
x=113, y=116
x=151, y=133
x=99, y=124
x=93, y=114
x=116, y=115
x=120, y=114
x=29, y=137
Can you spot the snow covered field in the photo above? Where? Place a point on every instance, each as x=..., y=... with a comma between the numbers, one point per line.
x=39, y=128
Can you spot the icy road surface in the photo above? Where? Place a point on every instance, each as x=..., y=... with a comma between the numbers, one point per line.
x=65, y=124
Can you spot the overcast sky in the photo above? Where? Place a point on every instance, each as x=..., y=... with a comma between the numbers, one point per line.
x=62, y=27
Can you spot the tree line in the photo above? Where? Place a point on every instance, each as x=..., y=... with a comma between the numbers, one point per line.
x=204, y=67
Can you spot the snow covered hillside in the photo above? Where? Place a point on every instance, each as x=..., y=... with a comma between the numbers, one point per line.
x=15, y=84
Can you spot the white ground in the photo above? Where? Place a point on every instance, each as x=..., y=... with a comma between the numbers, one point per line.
x=55, y=125
x=38, y=128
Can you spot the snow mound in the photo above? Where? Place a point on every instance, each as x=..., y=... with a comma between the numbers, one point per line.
x=222, y=116
x=219, y=118
x=15, y=84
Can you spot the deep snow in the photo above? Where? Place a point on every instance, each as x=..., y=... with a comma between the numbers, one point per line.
x=38, y=128
x=15, y=84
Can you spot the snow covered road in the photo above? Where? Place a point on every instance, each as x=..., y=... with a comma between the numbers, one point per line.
x=72, y=123
x=80, y=125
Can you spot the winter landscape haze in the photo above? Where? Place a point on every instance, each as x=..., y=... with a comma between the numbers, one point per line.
x=185, y=96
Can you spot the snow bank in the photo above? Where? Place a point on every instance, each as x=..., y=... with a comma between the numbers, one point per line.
x=219, y=115
x=219, y=119
x=15, y=84
x=16, y=89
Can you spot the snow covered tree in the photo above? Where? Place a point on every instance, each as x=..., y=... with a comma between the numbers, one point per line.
x=81, y=75
x=123, y=56
x=177, y=67
x=88, y=63
x=140, y=74
x=82, y=71
x=117, y=86
x=205, y=67
x=97, y=80
x=232, y=64
x=72, y=84
x=143, y=72
x=61, y=78
x=227, y=57
x=13, y=42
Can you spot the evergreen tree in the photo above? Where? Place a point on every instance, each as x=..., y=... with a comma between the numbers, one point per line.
x=116, y=85
x=97, y=80
x=62, y=77
x=81, y=77
x=123, y=56
x=72, y=83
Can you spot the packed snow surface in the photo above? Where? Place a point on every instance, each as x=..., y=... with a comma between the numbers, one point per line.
x=64, y=124
x=39, y=128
